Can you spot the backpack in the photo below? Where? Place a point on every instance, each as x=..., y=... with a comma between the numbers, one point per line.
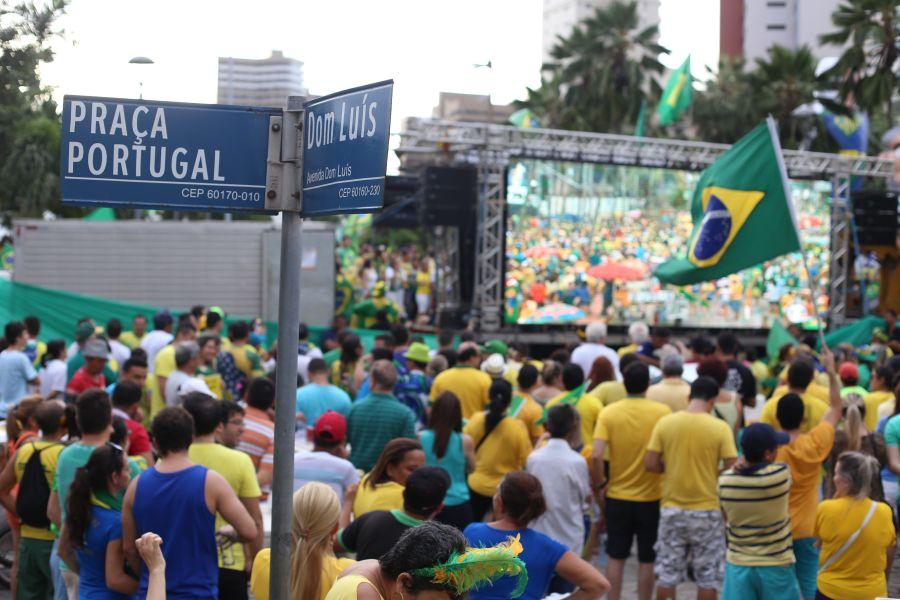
x=34, y=491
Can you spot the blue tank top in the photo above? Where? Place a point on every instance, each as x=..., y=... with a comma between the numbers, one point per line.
x=173, y=505
x=453, y=461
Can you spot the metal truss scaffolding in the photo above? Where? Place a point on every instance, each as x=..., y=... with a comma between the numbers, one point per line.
x=491, y=147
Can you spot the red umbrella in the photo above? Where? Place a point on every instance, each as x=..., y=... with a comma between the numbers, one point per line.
x=615, y=272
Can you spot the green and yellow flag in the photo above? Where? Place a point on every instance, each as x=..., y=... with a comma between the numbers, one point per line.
x=524, y=118
x=678, y=94
x=741, y=212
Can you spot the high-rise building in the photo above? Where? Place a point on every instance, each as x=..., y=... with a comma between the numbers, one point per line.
x=748, y=28
x=260, y=82
x=561, y=16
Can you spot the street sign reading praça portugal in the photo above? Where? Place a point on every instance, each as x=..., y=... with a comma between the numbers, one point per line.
x=172, y=155
x=345, y=147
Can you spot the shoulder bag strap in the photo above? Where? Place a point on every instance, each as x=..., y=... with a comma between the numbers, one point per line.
x=850, y=539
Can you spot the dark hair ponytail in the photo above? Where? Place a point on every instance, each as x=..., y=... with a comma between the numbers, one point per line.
x=500, y=395
x=55, y=349
x=104, y=462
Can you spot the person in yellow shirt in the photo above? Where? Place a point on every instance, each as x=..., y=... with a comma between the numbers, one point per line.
x=382, y=488
x=692, y=444
x=804, y=455
x=632, y=492
x=881, y=393
x=246, y=358
x=314, y=567
x=466, y=380
x=237, y=469
x=133, y=338
x=800, y=375
x=502, y=445
x=164, y=366
x=672, y=390
x=523, y=405
x=638, y=333
x=36, y=539
x=587, y=406
x=608, y=392
x=857, y=534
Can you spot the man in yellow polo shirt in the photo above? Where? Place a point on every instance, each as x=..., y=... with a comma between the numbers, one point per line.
x=881, y=393
x=164, y=366
x=632, y=492
x=800, y=375
x=524, y=407
x=692, y=444
x=588, y=406
x=466, y=380
x=36, y=545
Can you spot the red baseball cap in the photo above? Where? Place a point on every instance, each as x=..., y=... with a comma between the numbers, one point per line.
x=331, y=427
x=848, y=372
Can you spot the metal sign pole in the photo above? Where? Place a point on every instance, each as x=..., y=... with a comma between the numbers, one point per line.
x=286, y=368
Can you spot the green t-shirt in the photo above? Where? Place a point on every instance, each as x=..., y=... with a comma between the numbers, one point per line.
x=72, y=458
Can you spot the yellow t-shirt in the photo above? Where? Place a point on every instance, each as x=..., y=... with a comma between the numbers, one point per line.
x=674, y=393
x=813, y=410
x=163, y=366
x=692, y=446
x=129, y=339
x=588, y=408
x=384, y=496
x=873, y=401
x=503, y=451
x=858, y=573
x=529, y=412
x=345, y=588
x=332, y=566
x=49, y=457
x=627, y=350
x=804, y=456
x=423, y=283
x=815, y=389
x=609, y=392
x=626, y=427
x=238, y=471
x=469, y=384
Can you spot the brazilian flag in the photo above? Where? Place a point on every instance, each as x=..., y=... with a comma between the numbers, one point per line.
x=678, y=94
x=741, y=212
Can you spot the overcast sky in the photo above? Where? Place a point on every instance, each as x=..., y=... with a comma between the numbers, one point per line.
x=426, y=46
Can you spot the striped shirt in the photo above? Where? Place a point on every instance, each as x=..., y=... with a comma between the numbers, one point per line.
x=258, y=439
x=755, y=502
x=372, y=423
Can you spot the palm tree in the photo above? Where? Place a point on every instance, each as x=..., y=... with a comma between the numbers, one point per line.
x=729, y=107
x=600, y=73
x=866, y=73
x=784, y=80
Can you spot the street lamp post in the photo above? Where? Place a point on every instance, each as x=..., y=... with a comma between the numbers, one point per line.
x=140, y=60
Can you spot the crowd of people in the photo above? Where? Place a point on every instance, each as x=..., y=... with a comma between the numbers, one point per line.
x=554, y=259
x=139, y=464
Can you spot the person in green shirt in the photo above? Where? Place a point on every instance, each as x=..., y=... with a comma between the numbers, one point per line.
x=849, y=374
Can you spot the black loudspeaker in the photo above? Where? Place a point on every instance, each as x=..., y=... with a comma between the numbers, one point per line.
x=449, y=195
x=875, y=214
x=401, y=208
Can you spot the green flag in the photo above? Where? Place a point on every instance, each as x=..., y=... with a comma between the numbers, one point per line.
x=778, y=337
x=523, y=118
x=678, y=94
x=642, y=115
x=741, y=212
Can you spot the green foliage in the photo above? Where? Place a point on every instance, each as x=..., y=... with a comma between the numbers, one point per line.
x=866, y=72
x=785, y=80
x=29, y=121
x=600, y=73
x=728, y=107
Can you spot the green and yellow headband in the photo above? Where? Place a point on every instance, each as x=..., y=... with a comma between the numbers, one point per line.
x=478, y=566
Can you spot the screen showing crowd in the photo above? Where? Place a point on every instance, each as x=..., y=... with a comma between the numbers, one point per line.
x=583, y=240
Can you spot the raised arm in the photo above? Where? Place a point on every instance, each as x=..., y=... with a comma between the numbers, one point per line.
x=835, y=407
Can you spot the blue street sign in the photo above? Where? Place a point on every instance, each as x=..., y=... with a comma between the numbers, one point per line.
x=146, y=154
x=345, y=146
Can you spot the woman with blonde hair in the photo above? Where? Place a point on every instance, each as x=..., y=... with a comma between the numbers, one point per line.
x=854, y=436
x=314, y=567
x=856, y=534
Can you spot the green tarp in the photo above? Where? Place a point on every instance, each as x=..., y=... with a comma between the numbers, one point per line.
x=59, y=311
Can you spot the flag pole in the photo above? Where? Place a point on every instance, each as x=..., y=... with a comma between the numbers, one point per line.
x=773, y=132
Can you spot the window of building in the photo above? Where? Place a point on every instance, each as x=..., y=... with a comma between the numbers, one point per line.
x=776, y=27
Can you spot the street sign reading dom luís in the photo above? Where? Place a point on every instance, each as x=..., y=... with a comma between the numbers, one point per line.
x=147, y=154
x=345, y=146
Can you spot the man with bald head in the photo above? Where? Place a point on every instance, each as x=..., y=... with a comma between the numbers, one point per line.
x=466, y=380
x=378, y=418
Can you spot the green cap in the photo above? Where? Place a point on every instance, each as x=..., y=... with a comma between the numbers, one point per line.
x=495, y=347
x=417, y=352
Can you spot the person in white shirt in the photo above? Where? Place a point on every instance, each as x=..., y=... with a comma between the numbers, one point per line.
x=53, y=370
x=187, y=359
x=157, y=339
x=563, y=473
x=118, y=351
x=594, y=347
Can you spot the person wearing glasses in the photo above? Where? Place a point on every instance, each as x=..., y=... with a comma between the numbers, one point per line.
x=91, y=542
